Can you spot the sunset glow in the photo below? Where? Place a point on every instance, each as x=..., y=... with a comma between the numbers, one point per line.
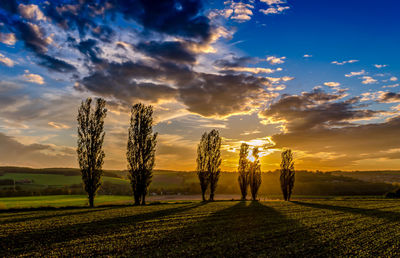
x=321, y=79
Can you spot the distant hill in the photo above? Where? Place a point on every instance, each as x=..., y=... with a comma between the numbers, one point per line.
x=386, y=176
x=30, y=181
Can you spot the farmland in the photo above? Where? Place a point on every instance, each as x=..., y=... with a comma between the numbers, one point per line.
x=68, y=181
x=362, y=227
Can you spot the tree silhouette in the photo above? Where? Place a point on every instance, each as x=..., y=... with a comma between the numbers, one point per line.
x=90, y=145
x=255, y=174
x=202, y=165
x=208, y=162
x=287, y=174
x=141, y=151
x=243, y=169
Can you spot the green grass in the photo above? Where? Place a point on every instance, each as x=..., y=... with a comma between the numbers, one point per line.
x=58, y=201
x=304, y=228
x=43, y=180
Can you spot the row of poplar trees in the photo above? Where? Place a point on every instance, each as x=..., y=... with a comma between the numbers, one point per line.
x=250, y=172
x=140, y=155
x=249, y=169
x=140, y=147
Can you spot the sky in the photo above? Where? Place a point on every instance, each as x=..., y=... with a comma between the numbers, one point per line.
x=318, y=77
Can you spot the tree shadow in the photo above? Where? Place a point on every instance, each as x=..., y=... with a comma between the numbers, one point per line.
x=376, y=213
x=54, y=215
x=243, y=229
x=43, y=239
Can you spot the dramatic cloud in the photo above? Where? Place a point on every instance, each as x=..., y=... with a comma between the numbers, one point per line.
x=6, y=61
x=234, y=93
x=362, y=72
x=344, y=62
x=313, y=110
x=322, y=129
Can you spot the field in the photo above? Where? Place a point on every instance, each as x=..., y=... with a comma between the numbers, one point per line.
x=58, y=201
x=362, y=227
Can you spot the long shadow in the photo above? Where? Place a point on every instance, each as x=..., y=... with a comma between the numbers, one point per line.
x=240, y=230
x=388, y=215
x=20, y=243
x=26, y=219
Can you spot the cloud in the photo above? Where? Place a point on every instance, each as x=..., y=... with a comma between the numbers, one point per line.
x=234, y=93
x=368, y=80
x=392, y=86
x=31, y=12
x=272, y=2
x=274, y=10
x=254, y=70
x=379, y=66
x=276, y=60
x=382, y=96
x=393, y=79
x=344, y=62
x=14, y=153
x=323, y=131
x=168, y=50
x=275, y=80
x=7, y=38
x=33, y=78
x=313, y=110
x=58, y=125
x=307, y=56
x=355, y=73
x=332, y=84
x=6, y=61
x=238, y=11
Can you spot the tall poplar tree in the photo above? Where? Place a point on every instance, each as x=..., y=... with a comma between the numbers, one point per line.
x=90, y=145
x=141, y=149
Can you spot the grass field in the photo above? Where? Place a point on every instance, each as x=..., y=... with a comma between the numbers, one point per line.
x=44, y=180
x=59, y=201
x=223, y=228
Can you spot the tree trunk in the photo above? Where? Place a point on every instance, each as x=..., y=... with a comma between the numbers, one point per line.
x=91, y=200
x=143, y=199
x=137, y=199
x=212, y=196
x=203, y=195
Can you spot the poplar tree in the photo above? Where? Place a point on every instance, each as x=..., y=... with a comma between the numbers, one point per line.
x=255, y=175
x=243, y=170
x=141, y=151
x=287, y=174
x=202, y=168
x=214, y=142
x=209, y=162
x=90, y=145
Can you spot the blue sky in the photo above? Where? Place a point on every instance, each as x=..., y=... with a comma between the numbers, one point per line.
x=319, y=77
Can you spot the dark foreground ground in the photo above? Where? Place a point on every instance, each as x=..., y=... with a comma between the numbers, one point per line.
x=224, y=228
